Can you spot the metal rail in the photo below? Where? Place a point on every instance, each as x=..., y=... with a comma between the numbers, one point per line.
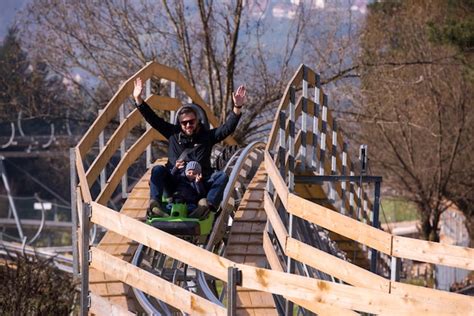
x=235, y=163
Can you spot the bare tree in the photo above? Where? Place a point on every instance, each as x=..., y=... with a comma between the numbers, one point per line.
x=216, y=44
x=417, y=112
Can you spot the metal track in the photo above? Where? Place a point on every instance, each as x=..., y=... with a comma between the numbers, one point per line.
x=188, y=277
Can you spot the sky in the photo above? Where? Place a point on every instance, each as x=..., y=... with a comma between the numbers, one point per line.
x=8, y=10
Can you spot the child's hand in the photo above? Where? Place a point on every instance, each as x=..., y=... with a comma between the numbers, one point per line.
x=198, y=177
x=180, y=164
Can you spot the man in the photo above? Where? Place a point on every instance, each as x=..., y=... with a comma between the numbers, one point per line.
x=189, y=140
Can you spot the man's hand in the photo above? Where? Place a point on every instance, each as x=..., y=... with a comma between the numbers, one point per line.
x=239, y=99
x=137, y=90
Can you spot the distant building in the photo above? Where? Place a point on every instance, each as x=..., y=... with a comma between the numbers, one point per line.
x=285, y=10
x=310, y=4
x=453, y=231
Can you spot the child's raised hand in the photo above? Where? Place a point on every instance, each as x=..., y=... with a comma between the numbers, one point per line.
x=180, y=164
x=198, y=177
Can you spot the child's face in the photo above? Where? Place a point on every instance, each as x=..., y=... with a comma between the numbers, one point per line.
x=191, y=174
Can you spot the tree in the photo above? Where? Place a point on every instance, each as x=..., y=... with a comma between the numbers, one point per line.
x=416, y=110
x=216, y=44
x=28, y=86
x=35, y=287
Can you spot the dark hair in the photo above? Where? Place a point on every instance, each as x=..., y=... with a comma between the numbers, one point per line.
x=186, y=110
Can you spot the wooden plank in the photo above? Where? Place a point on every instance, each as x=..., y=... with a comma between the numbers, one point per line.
x=316, y=307
x=345, y=296
x=159, y=102
x=277, y=181
x=340, y=224
x=161, y=241
x=432, y=252
x=294, y=81
x=275, y=220
x=461, y=304
x=334, y=266
x=110, y=110
x=151, y=284
x=112, y=145
x=81, y=174
x=130, y=156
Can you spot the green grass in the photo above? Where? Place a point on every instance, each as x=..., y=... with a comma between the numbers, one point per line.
x=397, y=210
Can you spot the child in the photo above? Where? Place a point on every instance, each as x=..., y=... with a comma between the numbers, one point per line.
x=190, y=188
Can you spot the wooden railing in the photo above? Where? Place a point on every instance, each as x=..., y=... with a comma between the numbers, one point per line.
x=103, y=125
x=365, y=292
x=427, y=300
x=307, y=138
x=391, y=299
x=88, y=176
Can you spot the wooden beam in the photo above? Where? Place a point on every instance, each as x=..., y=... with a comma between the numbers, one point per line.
x=299, y=287
x=102, y=306
x=110, y=110
x=343, y=270
x=461, y=304
x=432, y=252
x=159, y=102
x=81, y=174
x=294, y=81
x=112, y=145
x=151, y=284
x=318, y=308
x=165, y=243
x=130, y=156
x=275, y=220
x=277, y=181
x=340, y=224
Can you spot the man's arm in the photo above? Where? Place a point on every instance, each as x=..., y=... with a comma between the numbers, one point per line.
x=165, y=128
x=238, y=98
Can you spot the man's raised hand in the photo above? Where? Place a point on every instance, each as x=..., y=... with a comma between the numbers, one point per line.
x=137, y=90
x=239, y=96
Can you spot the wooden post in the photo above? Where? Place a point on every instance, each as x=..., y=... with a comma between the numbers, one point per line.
x=73, y=184
x=234, y=278
x=85, y=298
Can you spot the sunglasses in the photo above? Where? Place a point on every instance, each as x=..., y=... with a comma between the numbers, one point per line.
x=190, y=122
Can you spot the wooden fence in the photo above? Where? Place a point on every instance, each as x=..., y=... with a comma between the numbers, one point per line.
x=364, y=291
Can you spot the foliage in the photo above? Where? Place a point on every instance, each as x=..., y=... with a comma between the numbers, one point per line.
x=397, y=210
x=217, y=45
x=35, y=287
x=28, y=86
x=416, y=110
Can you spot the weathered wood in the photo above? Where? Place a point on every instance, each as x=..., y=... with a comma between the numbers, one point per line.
x=128, y=159
x=81, y=174
x=110, y=110
x=275, y=220
x=102, y=306
x=112, y=145
x=159, y=102
x=277, y=181
x=343, y=270
x=318, y=308
x=151, y=284
x=340, y=224
x=161, y=241
x=432, y=252
x=260, y=279
x=461, y=304
x=295, y=81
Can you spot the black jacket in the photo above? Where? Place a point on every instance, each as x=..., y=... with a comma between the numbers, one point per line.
x=200, y=143
x=188, y=191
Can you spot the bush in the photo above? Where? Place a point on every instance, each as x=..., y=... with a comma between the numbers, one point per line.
x=34, y=286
